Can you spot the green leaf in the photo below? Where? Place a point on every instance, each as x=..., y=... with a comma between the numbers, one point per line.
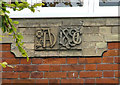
x=7, y=11
x=39, y=4
x=15, y=22
x=20, y=48
x=27, y=58
x=14, y=29
x=20, y=36
x=4, y=64
x=16, y=2
x=12, y=5
x=1, y=12
x=3, y=28
x=32, y=9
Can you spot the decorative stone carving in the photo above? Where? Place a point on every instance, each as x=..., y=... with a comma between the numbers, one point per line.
x=58, y=39
x=69, y=37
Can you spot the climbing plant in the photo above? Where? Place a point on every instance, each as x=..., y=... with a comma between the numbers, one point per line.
x=8, y=25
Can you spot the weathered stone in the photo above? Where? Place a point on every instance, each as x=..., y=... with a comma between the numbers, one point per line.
x=29, y=45
x=100, y=51
x=116, y=30
x=94, y=22
x=92, y=37
x=26, y=31
x=93, y=30
x=96, y=32
x=28, y=38
x=89, y=51
x=88, y=44
x=18, y=54
x=7, y=39
x=46, y=53
x=112, y=37
x=112, y=21
x=105, y=30
x=70, y=53
x=101, y=45
x=72, y=22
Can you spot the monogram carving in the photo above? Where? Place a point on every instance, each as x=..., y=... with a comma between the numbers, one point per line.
x=70, y=37
x=62, y=38
x=45, y=38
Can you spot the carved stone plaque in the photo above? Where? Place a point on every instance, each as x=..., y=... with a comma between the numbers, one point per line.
x=62, y=38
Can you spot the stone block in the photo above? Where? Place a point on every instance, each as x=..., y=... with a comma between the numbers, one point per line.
x=116, y=30
x=92, y=37
x=89, y=51
x=72, y=22
x=7, y=39
x=88, y=44
x=28, y=45
x=93, y=30
x=28, y=38
x=101, y=45
x=26, y=31
x=94, y=22
x=112, y=21
x=105, y=30
x=114, y=37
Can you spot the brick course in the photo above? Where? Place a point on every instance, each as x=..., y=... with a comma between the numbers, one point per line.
x=82, y=70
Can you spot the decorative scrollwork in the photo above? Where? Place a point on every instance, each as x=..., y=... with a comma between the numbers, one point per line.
x=69, y=37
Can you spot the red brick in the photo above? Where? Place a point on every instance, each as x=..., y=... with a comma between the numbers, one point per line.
x=107, y=59
x=72, y=60
x=9, y=75
x=72, y=81
x=24, y=74
x=117, y=74
x=0, y=68
x=11, y=61
x=114, y=45
x=54, y=61
x=36, y=61
x=8, y=69
x=107, y=67
x=55, y=68
x=5, y=47
x=108, y=73
x=90, y=74
x=6, y=81
x=23, y=81
x=90, y=60
x=37, y=75
x=7, y=55
x=72, y=74
x=24, y=61
x=55, y=75
x=107, y=81
x=90, y=81
x=72, y=67
x=90, y=67
x=26, y=68
x=117, y=59
x=54, y=82
x=42, y=81
x=111, y=53
x=43, y=68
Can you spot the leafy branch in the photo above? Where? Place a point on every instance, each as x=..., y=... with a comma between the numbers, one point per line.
x=9, y=26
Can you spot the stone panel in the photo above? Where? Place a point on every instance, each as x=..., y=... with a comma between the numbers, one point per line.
x=95, y=33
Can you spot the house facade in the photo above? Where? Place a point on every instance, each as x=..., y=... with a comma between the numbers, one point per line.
x=68, y=42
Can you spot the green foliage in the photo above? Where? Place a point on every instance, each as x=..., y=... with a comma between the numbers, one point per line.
x=5, y=64
x=8, y=24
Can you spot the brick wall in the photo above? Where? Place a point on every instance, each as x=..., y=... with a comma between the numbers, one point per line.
x=49, y=71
